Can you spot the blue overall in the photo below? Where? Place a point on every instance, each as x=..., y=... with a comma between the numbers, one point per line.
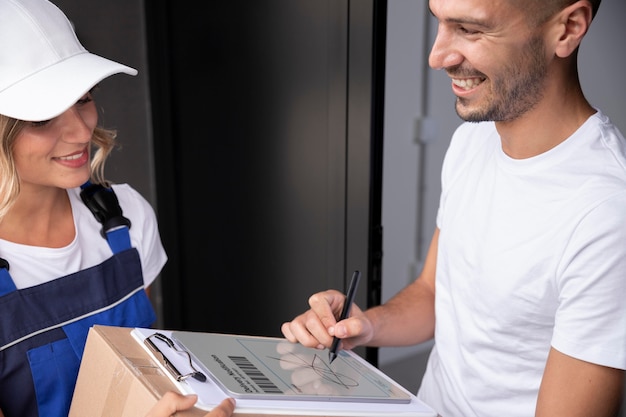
x=43, y=329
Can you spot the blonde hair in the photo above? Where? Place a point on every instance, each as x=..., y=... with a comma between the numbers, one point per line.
x=103, y=142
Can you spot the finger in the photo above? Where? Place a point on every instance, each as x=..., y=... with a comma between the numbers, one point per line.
x=311, y=328
x=296, y=331
x=286, y=329
x=309, y=331
x=327, y=305
x=170, y=403
x=223, y=409
x=354, y=331
x=351, y=326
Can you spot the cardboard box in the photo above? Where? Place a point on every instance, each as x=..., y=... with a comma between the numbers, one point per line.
x=119, y=378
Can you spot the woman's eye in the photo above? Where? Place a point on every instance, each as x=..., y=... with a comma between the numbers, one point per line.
x=85, y=99
x=39, y=123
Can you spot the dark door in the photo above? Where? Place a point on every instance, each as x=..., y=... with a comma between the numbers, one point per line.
x=267, y=147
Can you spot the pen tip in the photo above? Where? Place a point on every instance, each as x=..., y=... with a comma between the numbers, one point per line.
x=331, y=357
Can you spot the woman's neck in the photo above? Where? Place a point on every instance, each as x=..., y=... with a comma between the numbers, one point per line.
x=40, y=218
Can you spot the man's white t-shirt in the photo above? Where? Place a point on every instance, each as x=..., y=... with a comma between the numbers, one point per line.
x=532, y=254
x=32, y=265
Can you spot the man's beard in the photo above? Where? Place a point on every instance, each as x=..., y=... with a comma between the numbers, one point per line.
x=516, y=90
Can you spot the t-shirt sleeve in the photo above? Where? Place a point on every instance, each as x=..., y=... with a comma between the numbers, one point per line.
x=144, y=231
x=590, y=322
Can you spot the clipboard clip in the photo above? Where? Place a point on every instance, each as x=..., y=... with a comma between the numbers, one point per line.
x=167, y=363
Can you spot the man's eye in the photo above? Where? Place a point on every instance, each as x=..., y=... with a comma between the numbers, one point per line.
x=467, y=31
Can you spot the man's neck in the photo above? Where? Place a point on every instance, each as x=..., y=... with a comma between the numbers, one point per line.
x=551, y=122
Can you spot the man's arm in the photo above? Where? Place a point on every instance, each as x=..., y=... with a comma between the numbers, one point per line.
x=575, y=388
x=409, y=316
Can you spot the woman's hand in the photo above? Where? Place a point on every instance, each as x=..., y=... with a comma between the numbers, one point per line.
x=173, y=402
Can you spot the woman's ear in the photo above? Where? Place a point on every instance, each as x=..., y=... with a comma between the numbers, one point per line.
x=573, y=23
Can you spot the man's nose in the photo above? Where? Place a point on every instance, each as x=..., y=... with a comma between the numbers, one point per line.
x=443, y=53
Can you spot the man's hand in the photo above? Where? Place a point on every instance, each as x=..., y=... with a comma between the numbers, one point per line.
x=317, y=326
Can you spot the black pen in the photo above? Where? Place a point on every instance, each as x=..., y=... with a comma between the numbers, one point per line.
x=354, y=283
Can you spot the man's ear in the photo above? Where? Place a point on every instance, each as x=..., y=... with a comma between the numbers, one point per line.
x=573, y=23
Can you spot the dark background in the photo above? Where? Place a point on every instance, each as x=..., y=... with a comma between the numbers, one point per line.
x=255, y=129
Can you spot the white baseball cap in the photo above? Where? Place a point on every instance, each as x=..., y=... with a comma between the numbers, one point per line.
x=44, y=69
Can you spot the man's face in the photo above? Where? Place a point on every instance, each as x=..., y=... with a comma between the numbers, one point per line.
x=497, y=64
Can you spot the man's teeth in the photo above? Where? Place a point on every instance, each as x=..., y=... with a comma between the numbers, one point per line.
x=467, y=83
x=71, y=157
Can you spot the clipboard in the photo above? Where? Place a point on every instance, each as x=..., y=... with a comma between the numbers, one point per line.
x=267, y=368
x=210, y=392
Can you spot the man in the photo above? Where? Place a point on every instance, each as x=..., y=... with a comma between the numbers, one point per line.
x=526, y=272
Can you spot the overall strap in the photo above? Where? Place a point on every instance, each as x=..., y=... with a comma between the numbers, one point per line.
x=105, y=206
x=6, y=282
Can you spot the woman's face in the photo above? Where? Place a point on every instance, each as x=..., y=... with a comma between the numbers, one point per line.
x=55, y=152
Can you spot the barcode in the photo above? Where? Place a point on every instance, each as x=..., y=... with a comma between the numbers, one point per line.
x=257, y=376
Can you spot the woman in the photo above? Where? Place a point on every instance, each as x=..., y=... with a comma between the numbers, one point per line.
x=75, y=251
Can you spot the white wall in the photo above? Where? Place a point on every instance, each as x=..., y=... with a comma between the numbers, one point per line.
x=411, y=172
x=603, y=59
x=419, y=121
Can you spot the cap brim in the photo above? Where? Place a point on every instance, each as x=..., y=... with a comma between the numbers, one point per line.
x=49, y=92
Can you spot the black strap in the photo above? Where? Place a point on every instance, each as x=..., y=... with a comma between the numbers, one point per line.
x=104, y=205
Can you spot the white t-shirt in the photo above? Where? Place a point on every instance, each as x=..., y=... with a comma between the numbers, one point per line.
x=32, y=265
x=532, y=254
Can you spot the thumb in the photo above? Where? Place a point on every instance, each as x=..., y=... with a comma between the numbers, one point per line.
x=170, y=403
